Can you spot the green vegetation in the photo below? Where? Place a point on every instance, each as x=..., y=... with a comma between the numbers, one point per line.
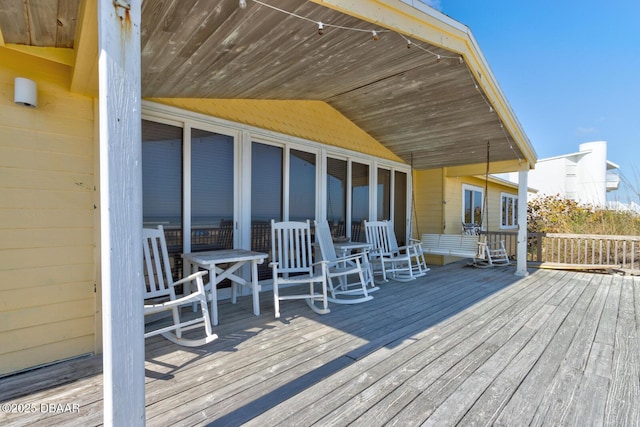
x=554, y=214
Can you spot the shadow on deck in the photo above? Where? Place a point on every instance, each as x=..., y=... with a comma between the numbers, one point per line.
x=433, y=349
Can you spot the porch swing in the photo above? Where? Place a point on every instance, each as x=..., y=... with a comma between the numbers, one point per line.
x=495, y=253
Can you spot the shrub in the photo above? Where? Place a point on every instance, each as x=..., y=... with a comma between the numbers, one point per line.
x=555, y=214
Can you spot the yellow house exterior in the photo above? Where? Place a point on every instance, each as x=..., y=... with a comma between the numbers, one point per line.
x=52, y=215
x=439, y=199
x=49, y=280
x=47, y=264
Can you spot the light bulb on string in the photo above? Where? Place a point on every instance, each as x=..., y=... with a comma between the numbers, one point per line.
x=242, y=4
x=437, y=58
x=408, y=44
x=374, y=35
x=320, y=28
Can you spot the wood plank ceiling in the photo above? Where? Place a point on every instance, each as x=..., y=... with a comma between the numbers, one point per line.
x=429, y=112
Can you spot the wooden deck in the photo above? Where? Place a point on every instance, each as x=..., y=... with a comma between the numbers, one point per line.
x=459, y=346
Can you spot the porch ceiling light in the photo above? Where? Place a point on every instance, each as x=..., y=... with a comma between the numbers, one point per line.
x=25, y=92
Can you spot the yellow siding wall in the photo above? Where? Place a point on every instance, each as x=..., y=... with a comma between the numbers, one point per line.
x=47, y=301
x=439, y=204
x=427, y=186
x=311, y=120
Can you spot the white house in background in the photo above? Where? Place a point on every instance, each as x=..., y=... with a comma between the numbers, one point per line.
x=585, y=176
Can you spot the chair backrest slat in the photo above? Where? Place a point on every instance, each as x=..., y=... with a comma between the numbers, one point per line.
x=377, y=233
x=291, y=246
x=157, y=274
x=324, y=240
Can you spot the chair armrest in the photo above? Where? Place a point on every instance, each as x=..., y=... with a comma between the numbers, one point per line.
x=353, y=257
x=190, y=278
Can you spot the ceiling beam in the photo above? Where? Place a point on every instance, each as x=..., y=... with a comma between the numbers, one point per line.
x=84, y=79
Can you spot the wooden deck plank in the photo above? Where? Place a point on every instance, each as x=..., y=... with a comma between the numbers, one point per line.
x=391, y=376
x=512, y=344
x=460, y=345
x=623, y=401
x=406, y=318
x=447, y=367
x=524, y=403
x=560, y=403
x=343, y=386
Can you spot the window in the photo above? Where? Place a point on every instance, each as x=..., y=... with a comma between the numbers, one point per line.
x=266, y=197
x=359, y=200
x=400, y=206
x=337, y=196
x=508, y=210
x=472, y=204
x=162, y=185
x=212, y=220
x=384, y=194
x=302, y=186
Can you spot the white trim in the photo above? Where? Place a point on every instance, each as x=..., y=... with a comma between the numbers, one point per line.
x=186, y=189
x=481, y=190
x=514, y=218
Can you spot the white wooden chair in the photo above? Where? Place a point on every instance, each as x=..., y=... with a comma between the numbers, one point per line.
x=342, y=269
x=160, y=295
x=414, y=249
x=393, y=262
x=495, y=254
x=292, y=264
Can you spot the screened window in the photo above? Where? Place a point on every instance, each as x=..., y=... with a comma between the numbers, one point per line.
x=384, y=194
x=472, y=205
x=337, y=196
x=211, y=191
x=302, y=186
x=400, y=206
x=266, y=197
x=162, y=184
x=508, y=211
x=359, y=200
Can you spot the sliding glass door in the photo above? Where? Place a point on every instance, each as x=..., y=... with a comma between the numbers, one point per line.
x=212, y=191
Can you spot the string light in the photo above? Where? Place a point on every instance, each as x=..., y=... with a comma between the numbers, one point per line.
x=375, y=36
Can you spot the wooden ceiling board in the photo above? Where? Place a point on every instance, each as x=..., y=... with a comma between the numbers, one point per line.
x=420, y=108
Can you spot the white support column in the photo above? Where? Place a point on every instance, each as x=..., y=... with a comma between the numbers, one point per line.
x=121, y=211
x=521, y=261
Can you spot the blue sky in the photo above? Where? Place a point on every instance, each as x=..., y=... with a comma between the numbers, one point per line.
x=570, y=70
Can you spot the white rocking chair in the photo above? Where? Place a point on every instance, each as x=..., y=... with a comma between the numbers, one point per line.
x=394, y=262
x=414, y=249
x=292, y=264
x=160, y=293
x=342, y=268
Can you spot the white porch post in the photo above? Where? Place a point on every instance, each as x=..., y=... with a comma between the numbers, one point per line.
x=521, y=261
x=121, y=211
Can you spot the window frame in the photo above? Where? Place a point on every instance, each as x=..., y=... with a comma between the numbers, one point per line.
x=514, y=211
x=474, y=188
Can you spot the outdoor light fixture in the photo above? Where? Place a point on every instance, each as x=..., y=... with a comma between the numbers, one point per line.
x=320, y=28
x=25, y=92
x=374, y=35
x=243, y=4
